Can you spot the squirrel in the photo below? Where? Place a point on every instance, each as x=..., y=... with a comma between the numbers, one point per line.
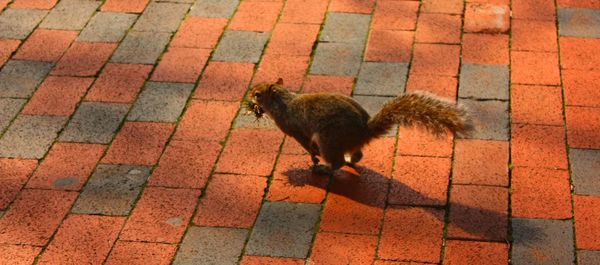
x=331, y=125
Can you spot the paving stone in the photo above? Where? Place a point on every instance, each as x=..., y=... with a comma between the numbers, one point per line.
x=480, y=48
x=534, y=9
x=128, y=252
x=112, y=190
x=262, y=260
x=160, y=102
x=284, y=229
x=20, y=254
x=537, y=105
x=304, y=11
x=18, y=23
x=9, y=108
x=211, y=245
x=534, y=35
x=30, y=136
x=7, y=47
x=490, y=118
x=341, y=59
x=587, y=227
x=389, y=46
x=291, y=176
x=196, y=125
x=290, y=68
x=183, y=65
x=483, y=81
x=540, y=193
x=540, y=241
x=537, y=68
x=395, y=15
x=18, y=79
x=588, y=257
x=435, y=59
x=438, y=28
x=119, y=83
x=14, y=174
x=355, y=249
x=241, y=46
x=95, y=122
x=345, y=28
x=472, y=252
x=381, y=79
x=139, y=143
x=70, y=14
x=538, y=146
x=46, y=45
x=127, y=6
x=141, y=47
x=583, y=125
x=419, y=142
x=107, y=27
x=256, y=16
x=58, y=96
x=585, y=171
x=161, y=17
x=373, y=104
x=214, y=8
x=579, y=22
x=481, y=162
x=224, y=81
x=84, y=59
x=487, y=18
x=579, y=53
x=244, y=120
x=420, y=181
x=199, y=32
x=258, y=146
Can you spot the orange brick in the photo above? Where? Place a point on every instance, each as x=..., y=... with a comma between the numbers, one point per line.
x=304, y=11
x=293, y=181
x=255, y=16
x=535, y=68
x=224, y=81
x=420, y=181
x=485, y=49
x=7, y=47
x=138, y=143
x=395, y=15
x=292, y=147
x=538, y=146
x=46, y=45
x=199, y=32
x=130, y=6
x=352, y=6
x=587, y=228
x=181, y=65
x=443, y=86
x=258, y=260
x=472, y=252
x=196, y=124
x=480, y=162
x=332, y=84
x=84, y=59
x=389, y=46
x=119, y=83
x=356, y=249
x=141, y=253
x=291, y=68
x=579, y=53
x=13, y=175
x=258, y=147
x=487, y=18
x=541, y=193
x=435, y=59
x=58, y=96
x=293, y=39
x=438, y=28
x=376, y=164
x=534, y=9
x=416, y=141
x=19, y=254
x=34, y=4
x=537, y=105
x=534, y=35
x=446, y=7
x=579, y=3
x=582, y=87
x=3, y=4
x=583, y=125
x=387, y=262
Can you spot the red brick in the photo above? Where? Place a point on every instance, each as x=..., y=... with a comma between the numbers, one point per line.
x=389, y=46
x=185, y=164
x=83, y=239
x=478, y=212
x=67, y=166
x=485, y=48
x=536, y=68
x=487, y=18
x=7, y=47
x=352, y=6
x=534, y=35
x=206, y=120
x=355, y=249
x=293, y=181
x=497, y=2
x=289, y=67
x=481, y=162
x=583, y=125
x=34, y=216
x=304, y=11
x=19, y=254
x=330, y=84
x=231, y=201
x=472, y=252
x=587, y=227
x=257, y=147
x=582, y=87
x=420, y=181
x=199, y=32
x=161, y=215
x=541, y=193
x=579, y=53
x=443, y=86
x=119, y=83
x=13, y=175
x=46, y=45
x=438, y=28
x=181, y=65
x=537, y=105
x=141, y=253
x=255, y=16
x=293, y=39
x=415, y=141
x=258, y=260
x=376, y=164
x=225, y=81
x=292, y=147
x=58, y=96
x=3, y=4
x=387, y=262
x=34, y=4
x=534, y=9
x=130, y=6
x=435, y=59
x=84, y=59
x=411, y=233
x=579, y=3
x=395, y=15
x=538, y=146
x=138, y=143
x=446, y=7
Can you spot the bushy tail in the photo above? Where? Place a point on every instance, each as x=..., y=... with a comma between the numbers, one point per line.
x=422, y=110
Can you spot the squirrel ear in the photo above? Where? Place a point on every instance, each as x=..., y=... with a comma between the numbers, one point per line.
x=279, y=81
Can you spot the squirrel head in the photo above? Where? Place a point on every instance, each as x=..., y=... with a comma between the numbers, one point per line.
x=268, y=96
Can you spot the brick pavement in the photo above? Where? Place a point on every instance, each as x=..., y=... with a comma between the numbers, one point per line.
x=122, y=139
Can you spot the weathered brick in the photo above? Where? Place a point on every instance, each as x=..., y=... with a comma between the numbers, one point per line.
x=588, y=257
x=438, y=28
x=484, y=81
x=19, y=79
x=161, y=17
x=259, y=147
x=107, y=27
x=288, y=67
x=256, y=15
x=9, y=108
x=197, y=125
x=345, y=28
x=420, y=181
x=45, y=45
x=418, y=142
x=39, y=4
x=389, y=46
x=540, y=193
x=538, y=146
x=212, y=245
x=70, y=15
x=283, y=229
x=585, y=165
x=537, y=105
x=534, y=68
x=83, y=238
x=199, y=32
x=481, y=162
x=534, y=9
x=111, y=190
x=14, y=174
x=534, y=35
x=84, y=59
x=436, y=59
x=395, y=15
x=95, y=122
x=352, y=6
x=293, y=181
x=240, y=46
x=293, y=39
x=19, y=23
x=119, y=83
x=332, y=84
x=138, y=143
x=356, y=249
x=304, y=11
x=262, y=260
x=341, y=59
x=579, y=53
x=586, y=226
x=381, y=79
x=129, y=6
x=470, y=252
x=58, y=96
x=160, y=102
x=583, y=125
x=485, y=49
x=224, y=81
x=30, y=136
x=140, y=253
x=540, y=241
x=19, y=254
x=7, y=47
x=214, y=8
x=487, y=18
x=445, y=7
x=141, y=47
x=442, y=86
x=490, y=118
x=582, y=87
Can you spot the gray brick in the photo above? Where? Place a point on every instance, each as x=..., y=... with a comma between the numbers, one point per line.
x=284, y=229
x=490, y=118
x=107, y=27
x=382, y=79
x=112, y=190
x=373, y=104
x=141, y=47
x=211, y=245
x=540, y=241
x=588, y=257
x=484, y=81
x=30, y=136
x=585, y=171
x=161, y=17
x=9, y=108
x=19, y=23
x=241, y=46
x=579, y=22
x=18, y=79
x=345, y=27
x=160, y=102
x=337, y=59
x=95, y=122
x=214, y=8
x=70, y=14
